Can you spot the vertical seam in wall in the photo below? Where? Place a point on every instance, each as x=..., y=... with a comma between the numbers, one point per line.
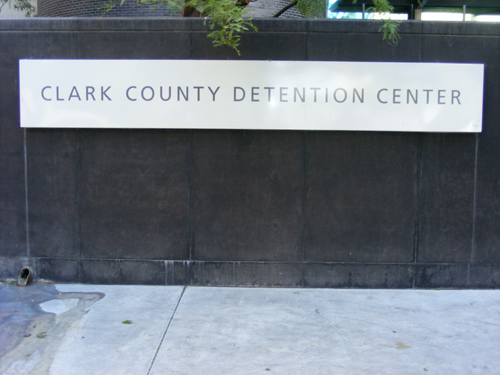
x=190, y=178
x=77, y=199
x=304, y=181
x=304, y=200
x=418, y=158
x=307, y=41
x=25, y=146
x=78, y=239
x=418, y=172
x=474, y=197
x=190, y=196
x=416, y=228
x=190, y=39
x=420, y=47
x=78, y=39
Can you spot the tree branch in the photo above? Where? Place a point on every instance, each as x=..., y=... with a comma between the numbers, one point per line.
x=190, y=11
x=1, y=7
x=291, y=5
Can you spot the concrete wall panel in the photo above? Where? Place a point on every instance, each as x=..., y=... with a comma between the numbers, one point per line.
x=249, y=208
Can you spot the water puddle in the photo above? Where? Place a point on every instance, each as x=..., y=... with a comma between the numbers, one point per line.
x=33, y=323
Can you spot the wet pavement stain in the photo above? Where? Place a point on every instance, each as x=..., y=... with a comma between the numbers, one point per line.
x=29, y=336
x=400, y=345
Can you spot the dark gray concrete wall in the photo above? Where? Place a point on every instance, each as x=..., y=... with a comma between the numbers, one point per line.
x=270, y=208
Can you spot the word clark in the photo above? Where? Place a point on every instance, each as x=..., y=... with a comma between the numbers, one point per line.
x=90, y=93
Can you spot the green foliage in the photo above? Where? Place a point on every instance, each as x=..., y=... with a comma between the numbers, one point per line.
x=172, y=4
x=389, y=28
x=226, y=21
x=20, y=5
x=223, y=17
x=381, y=6
x=389, y=31
x=110, y=5
x=311, y=8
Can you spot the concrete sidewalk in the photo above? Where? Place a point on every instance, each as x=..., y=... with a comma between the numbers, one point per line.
x=139, y=330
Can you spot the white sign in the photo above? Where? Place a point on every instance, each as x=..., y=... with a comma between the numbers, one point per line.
x=285, y=95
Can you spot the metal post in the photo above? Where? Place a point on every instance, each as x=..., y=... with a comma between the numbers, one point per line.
x=465, y=9
x=363, y=10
